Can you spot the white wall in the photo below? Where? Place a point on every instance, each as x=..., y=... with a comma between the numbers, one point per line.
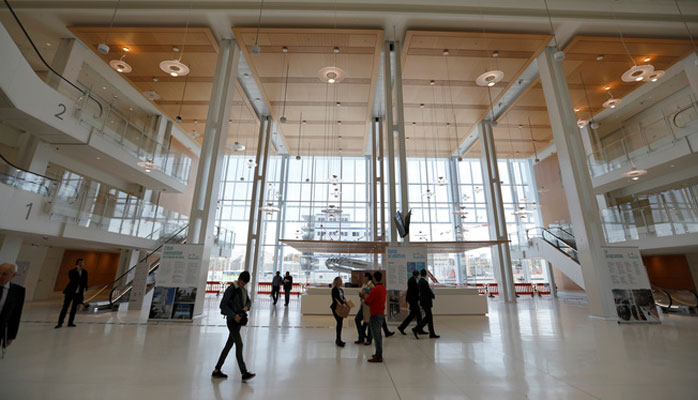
x=47, y=276
x=33, y=255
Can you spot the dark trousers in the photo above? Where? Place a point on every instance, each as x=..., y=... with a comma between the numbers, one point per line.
x=287, y=295
x=376, y=323
x=234, y=338
x=414, y=313
x=340, y=323
x=76, y=299
x=361, y=326
x=275, y=293
x=428, y=320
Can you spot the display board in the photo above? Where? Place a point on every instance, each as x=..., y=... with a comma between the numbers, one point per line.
x=630, y=285
x=177, y=279
x=400, y=261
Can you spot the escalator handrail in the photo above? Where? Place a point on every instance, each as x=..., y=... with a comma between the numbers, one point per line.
x=113, y=299
x=140, y=261
x=24, y=170
x=571, y=241
x=559, y=239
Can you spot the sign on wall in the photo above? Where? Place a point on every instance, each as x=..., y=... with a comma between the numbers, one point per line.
x=399, y=264
x=632, y=293
x=177, y=279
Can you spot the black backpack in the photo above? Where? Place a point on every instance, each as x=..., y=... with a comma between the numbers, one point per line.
x=236, y=292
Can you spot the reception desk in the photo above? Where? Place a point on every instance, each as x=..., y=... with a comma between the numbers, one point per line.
x=449, y=301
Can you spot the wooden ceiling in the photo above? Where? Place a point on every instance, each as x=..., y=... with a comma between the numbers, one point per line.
x=301, y=89
x=581, y=64
x=148, y=46
x=455, y=104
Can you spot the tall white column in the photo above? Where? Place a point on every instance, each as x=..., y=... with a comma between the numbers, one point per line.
x=584, y=211
x=496, y=222
x=211, y=160
x=390, y=136
x=9, y=248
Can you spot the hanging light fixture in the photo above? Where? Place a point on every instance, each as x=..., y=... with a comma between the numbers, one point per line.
x=148, y=165
x=635, y=173
x=301, y=122
x=237, y=146
x=654, y=76
x=288, y=66
x=489, y=78
x=533, y=141
x=636, y=73
x=612, y=102
x=104, y=47
x=120, y=65
x=175, y=67
x=255, y=49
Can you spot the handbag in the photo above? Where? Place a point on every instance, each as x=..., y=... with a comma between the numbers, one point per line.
x=366, y=311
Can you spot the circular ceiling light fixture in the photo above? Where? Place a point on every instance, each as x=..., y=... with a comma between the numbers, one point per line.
x=120, y=66
x=654, y=76
x=151, y=95
x=489, y=78
x=237, y=147
x=174, y=67
x=635, y=173
x=612, y=103
x=637, y=73
x=148, y=165
x=331, y=74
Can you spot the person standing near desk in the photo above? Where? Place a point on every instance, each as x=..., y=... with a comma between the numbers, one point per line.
x=288, y=285
x=74, y=292
x=11, y=304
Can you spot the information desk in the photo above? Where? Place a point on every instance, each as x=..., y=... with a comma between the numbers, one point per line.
x=449, y=301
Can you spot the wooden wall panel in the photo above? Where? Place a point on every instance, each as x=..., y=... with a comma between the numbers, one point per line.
x=551, y=192
x=669, y=271
x=100, y=266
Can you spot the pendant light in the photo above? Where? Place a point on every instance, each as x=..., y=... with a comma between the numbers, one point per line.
x=237, y=146
x=300, y=133
x=175, y=67
x=612, y=102
x=591, y=122
x=453, y=109
x=288, y=66
x=636, y=73
x=559, y=55
x=533, y=141
x=255, y=49
x=104, y=47
x=178, y=118
x=120, y=65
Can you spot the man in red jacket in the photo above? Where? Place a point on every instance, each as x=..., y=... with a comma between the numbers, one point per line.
x=376, y=302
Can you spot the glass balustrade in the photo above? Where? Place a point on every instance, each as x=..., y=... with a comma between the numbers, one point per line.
x=641, y=139
x=624, y=223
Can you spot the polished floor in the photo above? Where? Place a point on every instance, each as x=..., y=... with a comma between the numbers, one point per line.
x=540, y=348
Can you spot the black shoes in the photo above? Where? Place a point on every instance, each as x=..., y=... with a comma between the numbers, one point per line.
x=359, y=342
x=57, y=326
x=414, y=332
x=402, y=330
x=389, y=334
x=434, y=336
x=71, y=325
x=340, y=343
x=247, y=376
x=219, y=374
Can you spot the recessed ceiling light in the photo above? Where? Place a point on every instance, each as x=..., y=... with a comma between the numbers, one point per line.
x=495, y=53
x=284, y=49
x=196, y=121
x=338, y=104
x=335, y=50
x=599, y=57
x=104, y=88
x=175, y=49
x=421, y=105
x=178, y=118
x=445, y=52
x=339, y=122
x=155, y=79
x=125, y=49
x=577, y=109
x=48, y=44
x=305, y=122
x=432, y=83
x=612, y=103
x=607, y=87
x=647, y=59
x=489, y=78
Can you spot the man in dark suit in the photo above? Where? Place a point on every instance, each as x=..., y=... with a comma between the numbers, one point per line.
x=74, y=292
x=11, y=303
x=412, y=298
x=426, y=299
x=288, y=285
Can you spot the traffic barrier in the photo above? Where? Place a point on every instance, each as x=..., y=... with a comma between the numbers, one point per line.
x=492, y=289
x=214, y=287
x=543, y=288
x=265, y=288
x=524, y=289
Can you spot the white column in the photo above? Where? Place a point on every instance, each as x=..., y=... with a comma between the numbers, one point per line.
x=390, y=136
x=70, y=55
x=584, y=211
x=400, y=127
x=691, y=69
x=496, y=222
x=9, y=248
x=211, y=160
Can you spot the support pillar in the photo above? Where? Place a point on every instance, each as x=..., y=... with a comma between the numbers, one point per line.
x=281, y=218
x=70, y=55
x=10, y=246
x=497, y=224
x=584, y=211
x=456, y=222
x=211, y=160
x=388, y=87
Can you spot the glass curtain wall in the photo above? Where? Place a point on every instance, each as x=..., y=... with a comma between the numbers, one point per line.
x=446, y=197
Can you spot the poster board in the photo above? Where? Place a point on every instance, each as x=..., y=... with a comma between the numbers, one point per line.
x=177, y=280
x=399, y=262
x=630, y=286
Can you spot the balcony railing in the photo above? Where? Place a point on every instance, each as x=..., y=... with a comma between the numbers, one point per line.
x=623, y=222
x=132, y=134
x=643, y=139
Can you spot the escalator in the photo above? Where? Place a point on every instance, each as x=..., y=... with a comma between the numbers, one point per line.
x=117, y=292
x=557, y=246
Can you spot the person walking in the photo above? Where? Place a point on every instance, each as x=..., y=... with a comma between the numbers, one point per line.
x=74, y=292
x=426, y=299
x=288, y=285
x=276, y=286
x=11, y=304
x=235, y=305
x=376, y=302
x=412, y=298
x=338, y=299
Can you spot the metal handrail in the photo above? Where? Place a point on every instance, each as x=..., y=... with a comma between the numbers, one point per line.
x=140, y=261
x=559, y=243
